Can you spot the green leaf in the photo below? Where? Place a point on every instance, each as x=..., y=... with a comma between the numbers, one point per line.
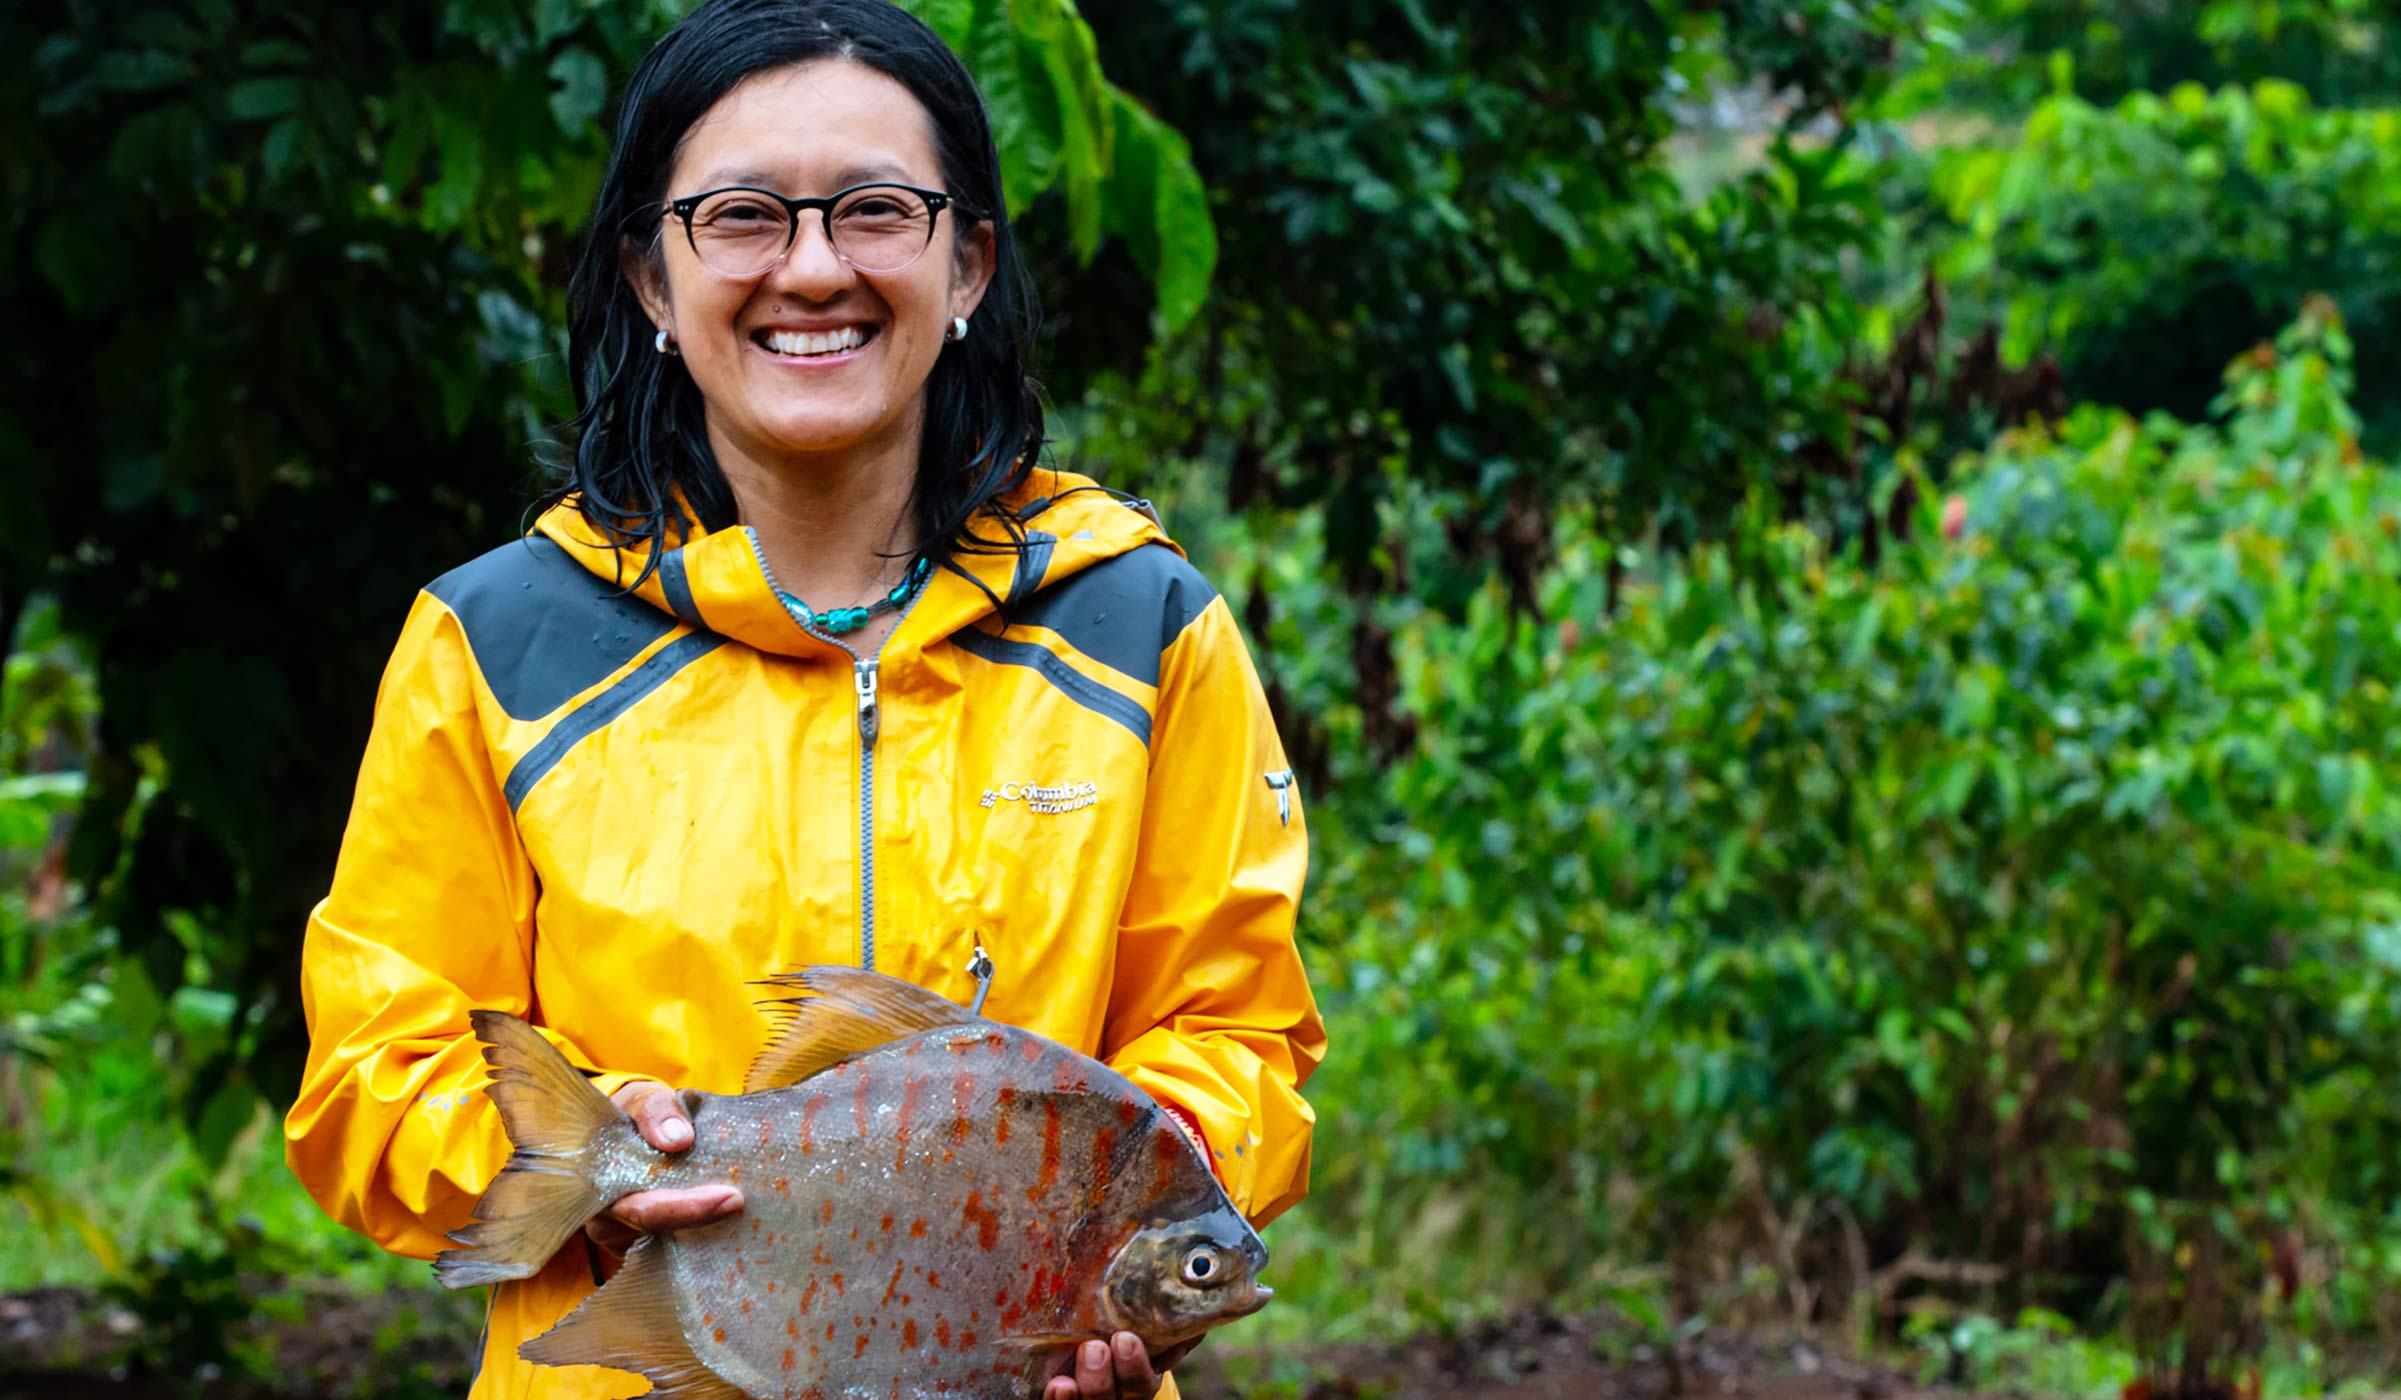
x=259, y=98
x=579, y=89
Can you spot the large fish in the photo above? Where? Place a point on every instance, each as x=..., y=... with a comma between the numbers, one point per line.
x=934, y=1205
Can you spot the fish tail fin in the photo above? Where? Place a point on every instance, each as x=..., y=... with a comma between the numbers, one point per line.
x=546, y=1192
x=634, y=1323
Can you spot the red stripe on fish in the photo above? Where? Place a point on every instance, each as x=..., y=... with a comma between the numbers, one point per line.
x=1049, y=1176
x=976, y=1214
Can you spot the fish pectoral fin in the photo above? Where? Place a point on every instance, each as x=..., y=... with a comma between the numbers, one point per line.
x=633, y=1324
x=852, y=1012
x=1025, y=1347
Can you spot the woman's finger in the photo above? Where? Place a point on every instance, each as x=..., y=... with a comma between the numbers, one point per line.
x=1095, y=1373
x=653, y=1211
x=1061, y=1388
x=1135, y=1377
x=658, y=1113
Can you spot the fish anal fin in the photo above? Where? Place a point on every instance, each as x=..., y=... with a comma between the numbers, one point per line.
x=633, y=1324
x=853, y=1012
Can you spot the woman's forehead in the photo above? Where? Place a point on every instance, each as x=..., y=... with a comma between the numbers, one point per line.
x=810, y=129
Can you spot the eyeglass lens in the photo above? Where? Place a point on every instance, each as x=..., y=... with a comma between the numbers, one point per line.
x=880, y=228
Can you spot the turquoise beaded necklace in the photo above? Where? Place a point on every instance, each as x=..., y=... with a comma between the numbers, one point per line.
x=837, y=621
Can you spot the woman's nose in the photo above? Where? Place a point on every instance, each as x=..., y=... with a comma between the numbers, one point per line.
x=810, y=267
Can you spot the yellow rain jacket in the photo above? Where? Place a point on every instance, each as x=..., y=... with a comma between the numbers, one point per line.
x=609, y=813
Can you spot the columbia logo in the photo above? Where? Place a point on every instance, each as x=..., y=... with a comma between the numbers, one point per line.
x=1045, y=798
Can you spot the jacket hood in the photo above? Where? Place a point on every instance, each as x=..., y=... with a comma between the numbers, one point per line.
x=716, y=580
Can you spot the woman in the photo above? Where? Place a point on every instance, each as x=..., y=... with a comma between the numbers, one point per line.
x=620, y=768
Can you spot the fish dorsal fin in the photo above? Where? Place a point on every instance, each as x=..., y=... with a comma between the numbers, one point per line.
x=633, y=1324
x=853, y=1012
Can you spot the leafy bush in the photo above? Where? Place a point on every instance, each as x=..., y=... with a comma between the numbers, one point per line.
x=2147, y=242
x=2010, y=920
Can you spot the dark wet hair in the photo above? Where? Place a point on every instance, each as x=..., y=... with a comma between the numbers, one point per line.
x=638, y=433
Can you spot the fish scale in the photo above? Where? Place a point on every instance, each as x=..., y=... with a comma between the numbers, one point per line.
x=944, y=1213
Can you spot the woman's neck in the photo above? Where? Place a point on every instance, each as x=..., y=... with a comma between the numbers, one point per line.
x=835, y=530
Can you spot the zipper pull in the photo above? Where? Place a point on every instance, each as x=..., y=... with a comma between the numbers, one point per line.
x=980, y=968
x=863, y=681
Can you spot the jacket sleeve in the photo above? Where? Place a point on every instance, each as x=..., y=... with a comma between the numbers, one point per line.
x=1210, y=1011
x=430, y=916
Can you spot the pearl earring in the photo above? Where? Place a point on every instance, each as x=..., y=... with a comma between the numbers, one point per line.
x=958, y=328
x=665, y=344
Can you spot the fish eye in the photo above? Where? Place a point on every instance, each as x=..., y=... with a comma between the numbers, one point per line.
x=1201, y=1267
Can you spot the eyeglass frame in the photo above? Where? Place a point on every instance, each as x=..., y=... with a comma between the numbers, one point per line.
x=935, y=202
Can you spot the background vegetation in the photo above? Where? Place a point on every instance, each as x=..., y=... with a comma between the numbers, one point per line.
x=1833, y=570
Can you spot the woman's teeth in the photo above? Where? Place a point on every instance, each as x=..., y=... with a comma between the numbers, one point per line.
x=816, y=343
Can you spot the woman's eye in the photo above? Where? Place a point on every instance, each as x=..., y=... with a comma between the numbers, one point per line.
x=739, y=213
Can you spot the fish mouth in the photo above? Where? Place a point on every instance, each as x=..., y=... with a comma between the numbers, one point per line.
x=1260, y=1294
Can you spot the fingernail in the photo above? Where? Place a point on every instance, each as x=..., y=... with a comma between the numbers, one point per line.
x=1129, y=1346
x=675, y=1132
x=1096, y=1354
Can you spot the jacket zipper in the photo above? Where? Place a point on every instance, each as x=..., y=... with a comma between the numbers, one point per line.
x=863, y=687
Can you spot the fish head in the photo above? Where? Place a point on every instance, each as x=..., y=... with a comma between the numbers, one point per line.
x=1177, y=1279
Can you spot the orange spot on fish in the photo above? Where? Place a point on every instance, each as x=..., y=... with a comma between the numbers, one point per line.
x=1031, y=1049
x=718, y=1335
x=746, y=1307
x=808, y=1121
x=942, y=1331
x=789, y=1359
x=966, y=1340
x=1049, y=1176
x=825, y=1212
x=980, y=1217
x=1126, y=1112
x=894, y=1286
x=733, y=1171
x=1167, y=1150
x=860, y=1348
x=820, y=1258
x=908, y=1331
x=1104, y=1147
x=837, y=1283
x=792, y=1328
x=917, y=1228
x=912, y=1093
x=932, y=1279
x=783, y=1186
x=808, y=1296
x=887, y=1223
x=858, y=1106
x=1068, y=1077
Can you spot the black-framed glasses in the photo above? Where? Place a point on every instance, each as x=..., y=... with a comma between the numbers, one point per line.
x=741, y=231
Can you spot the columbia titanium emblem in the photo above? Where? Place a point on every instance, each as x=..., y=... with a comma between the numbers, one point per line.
x=1281, y=781
x=1045, y=798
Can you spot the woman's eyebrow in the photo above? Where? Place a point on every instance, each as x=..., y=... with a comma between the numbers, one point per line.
x=870, y=173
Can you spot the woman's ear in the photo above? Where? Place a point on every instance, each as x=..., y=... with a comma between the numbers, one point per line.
x=971, y=270
x=642, y=273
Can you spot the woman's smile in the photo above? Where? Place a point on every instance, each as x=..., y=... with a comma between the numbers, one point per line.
x=815, y=347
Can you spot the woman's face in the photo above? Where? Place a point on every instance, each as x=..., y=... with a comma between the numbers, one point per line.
x=812, y=131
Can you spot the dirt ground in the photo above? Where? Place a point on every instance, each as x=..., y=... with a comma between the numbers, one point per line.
x=52, y=1344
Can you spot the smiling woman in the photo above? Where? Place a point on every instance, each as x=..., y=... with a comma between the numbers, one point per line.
x=802, y=602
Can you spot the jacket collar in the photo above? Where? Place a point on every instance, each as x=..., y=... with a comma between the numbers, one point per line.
x=717, y=581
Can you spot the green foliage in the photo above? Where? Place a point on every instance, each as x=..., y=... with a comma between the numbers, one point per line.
x=2004, y=52
x=2022, y=902
x=2148, y=242
x=1451, y=242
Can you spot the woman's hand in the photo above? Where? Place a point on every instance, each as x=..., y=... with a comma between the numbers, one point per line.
x=1118, y=1369
x=659, y=1115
